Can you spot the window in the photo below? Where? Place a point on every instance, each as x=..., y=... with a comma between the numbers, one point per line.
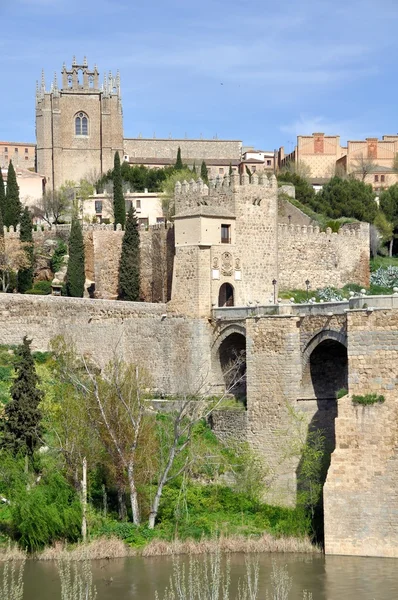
x=138, y=203
x=98, y=207
x=26, y=151
x=382, y=178
x=81, y=124
x=376, y=178
x=254, y=169
x=143, y=222
x=26, y=157
x=268, y=163
x=221, y=171
x=6, y=150
x=16, y=150
x=129, y=205
x=225, y=234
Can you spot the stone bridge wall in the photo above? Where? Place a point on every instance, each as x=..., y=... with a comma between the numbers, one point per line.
x=361, y=491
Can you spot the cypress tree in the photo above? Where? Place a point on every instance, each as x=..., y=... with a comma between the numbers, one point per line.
x=119, y=207
x=129, y=268
x=25, y=276
x=179, y=165
x=2, y=196
x=12, y=207
x=21, y=427
x=75, y=274
x=194, y=168
x=231, y=171
x=203, y=173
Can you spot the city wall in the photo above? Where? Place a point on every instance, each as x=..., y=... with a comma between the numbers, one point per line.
x=173, y=349
x=193, y=149
x=324, y=258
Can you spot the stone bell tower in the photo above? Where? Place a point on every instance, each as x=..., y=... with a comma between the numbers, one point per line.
x=79, y=126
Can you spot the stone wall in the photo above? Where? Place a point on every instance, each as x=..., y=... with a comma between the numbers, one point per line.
x=173, y=349
x=288, y=214
x=230, y=426
x=325, y=259
x=190, y=149
x=361, y=493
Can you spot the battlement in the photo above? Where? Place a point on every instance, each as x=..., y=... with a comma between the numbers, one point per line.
x=348, y=229
x=14, y=232
x=221, y=191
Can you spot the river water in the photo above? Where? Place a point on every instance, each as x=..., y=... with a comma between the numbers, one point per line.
x=328, y=578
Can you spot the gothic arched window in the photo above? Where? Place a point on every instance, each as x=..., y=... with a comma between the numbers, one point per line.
x=81, y=124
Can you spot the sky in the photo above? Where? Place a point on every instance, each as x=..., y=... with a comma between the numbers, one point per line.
x=259, y=71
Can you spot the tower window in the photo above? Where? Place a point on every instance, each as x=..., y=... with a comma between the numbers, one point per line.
x=81, y=124
x=26, y=151
x=225, y=234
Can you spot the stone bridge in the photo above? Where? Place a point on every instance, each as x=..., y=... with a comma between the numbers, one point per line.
x=298, y=357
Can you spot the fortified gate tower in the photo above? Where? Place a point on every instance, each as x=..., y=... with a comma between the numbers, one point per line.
x=79, y=126
x=225, y=243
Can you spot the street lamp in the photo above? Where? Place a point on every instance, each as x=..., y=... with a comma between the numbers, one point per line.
x=274, y=282
x=307, y=283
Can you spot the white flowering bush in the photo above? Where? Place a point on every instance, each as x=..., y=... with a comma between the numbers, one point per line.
x=385, y=277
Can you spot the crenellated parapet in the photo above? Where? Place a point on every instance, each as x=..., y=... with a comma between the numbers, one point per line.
x=359, y=230
x=224, y=191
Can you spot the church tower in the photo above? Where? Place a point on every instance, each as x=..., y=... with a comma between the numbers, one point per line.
x=79, y=126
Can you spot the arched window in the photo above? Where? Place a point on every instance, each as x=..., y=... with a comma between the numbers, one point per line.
x=81, y=124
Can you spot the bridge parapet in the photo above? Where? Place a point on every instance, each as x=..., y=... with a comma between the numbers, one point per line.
x=236, y=313
x=374, y=302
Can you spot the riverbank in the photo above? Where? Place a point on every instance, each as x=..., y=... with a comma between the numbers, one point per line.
x=105, y=548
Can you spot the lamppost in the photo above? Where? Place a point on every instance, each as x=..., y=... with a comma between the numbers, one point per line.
x=274, y=282
x=307, y=283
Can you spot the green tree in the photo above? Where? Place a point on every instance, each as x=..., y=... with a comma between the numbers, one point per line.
x=304, y=191
x=347, y=198
x=21, y=426
x=194, y=168
x=231, y=171
x=129, y=268
x=25, y=275
x=204, y=173
x=119, y=207
x=389, y=206
x=179, y=165
x=12, y=208
x=2, y=196
x=75, y=274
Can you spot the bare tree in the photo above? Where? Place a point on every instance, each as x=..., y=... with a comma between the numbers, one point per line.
x=176, y=435
x=53, y=205
x=362, y=166
x=12, y=258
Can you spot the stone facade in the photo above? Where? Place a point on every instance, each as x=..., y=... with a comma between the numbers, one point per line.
x=79, y=126
x=190, y=149
x=225, y=235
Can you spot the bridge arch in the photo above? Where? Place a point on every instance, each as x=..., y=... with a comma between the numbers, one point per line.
x=229, y=359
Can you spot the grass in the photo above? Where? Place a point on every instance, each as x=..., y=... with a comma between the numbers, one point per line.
x=383, y=261
x=368, y=399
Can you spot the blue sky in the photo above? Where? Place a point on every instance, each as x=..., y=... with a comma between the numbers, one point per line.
x=255, y=70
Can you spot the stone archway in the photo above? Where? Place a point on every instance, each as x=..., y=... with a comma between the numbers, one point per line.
x=229, y=356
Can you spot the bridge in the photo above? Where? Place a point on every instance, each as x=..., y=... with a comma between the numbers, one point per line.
x=298, y=357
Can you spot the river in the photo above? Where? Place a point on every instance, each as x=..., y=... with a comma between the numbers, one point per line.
x=328, y=578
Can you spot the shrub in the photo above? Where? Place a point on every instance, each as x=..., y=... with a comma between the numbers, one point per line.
x=368, y=399
x=342, y=392
x=385, y=277
x=41, y=288
x=57, y=258
x=48, y=512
